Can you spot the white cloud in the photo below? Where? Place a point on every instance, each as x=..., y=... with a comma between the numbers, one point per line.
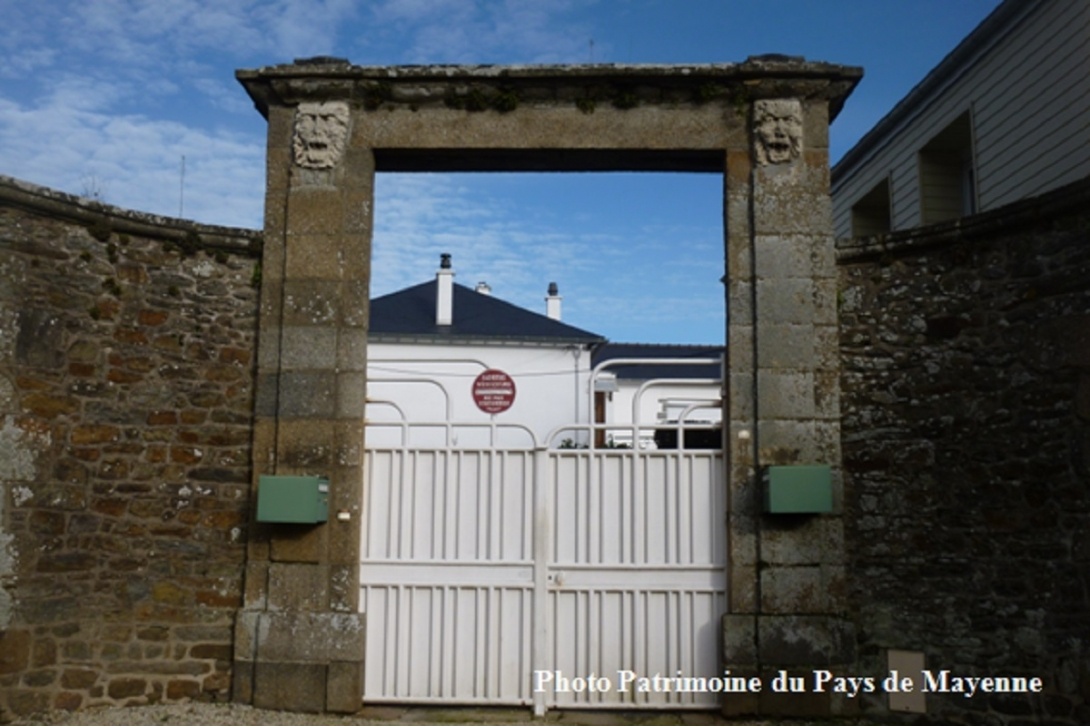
x=69, y=137
x=303, y=28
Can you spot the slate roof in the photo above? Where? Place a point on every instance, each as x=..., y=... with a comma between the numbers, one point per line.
x=643, y=372
x=409, y=314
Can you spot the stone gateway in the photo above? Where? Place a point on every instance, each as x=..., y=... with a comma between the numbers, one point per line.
x=761, y=124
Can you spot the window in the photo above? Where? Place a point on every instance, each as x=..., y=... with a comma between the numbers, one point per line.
x=871, y=214
x=947, y=173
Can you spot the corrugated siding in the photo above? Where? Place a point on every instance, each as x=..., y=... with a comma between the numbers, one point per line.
x=1029, y=94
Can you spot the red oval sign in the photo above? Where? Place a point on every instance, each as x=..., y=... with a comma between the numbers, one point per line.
x=493, y=391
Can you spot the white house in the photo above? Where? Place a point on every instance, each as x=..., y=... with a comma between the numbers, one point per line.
x=1002, y=118
x=429, y=345
x=454, y=366
x=644, y=390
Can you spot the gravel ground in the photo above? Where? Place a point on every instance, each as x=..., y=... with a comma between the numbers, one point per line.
x=236, y=714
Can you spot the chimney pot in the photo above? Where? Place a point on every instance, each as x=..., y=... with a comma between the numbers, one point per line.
x=444, y=292
x=552, y=302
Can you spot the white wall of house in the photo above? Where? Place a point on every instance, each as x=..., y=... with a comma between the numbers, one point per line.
x=1026, y=88
x=658, y=403
x=550, y=391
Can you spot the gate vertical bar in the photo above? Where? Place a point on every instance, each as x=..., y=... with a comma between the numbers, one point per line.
x=540, y=646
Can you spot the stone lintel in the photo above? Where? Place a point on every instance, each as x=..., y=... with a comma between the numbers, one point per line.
x=519, y=91
x=766, y=77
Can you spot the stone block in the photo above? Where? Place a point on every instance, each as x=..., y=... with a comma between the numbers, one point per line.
x=26, y=702
x=219, y=652
x=783, y=257
x=178, y=689
x=793, y=209
x=802, y=543
x=785, y=300
x=815, y=125
x=825, y=302
x=344, y=587
x=298, y=586
x=807, y=641
x=352, y=349
x=835, y=578
x=743, y=539
x=792, y=589
x=270, y=305
x=785, y=395
x=740, y=302
x=739, y=641
x=242, y=682
x=306, y=446
x=827, y=395
x=289, y=686
x=310, y=637
x=743, y=589
x=355, y=303
x=356, y=251
x=266, y=395
x=294, y=544
x=304, y=348
x=315, y=212
x=311, y=303
x=126, y=687
x=740, y=350
x=351, y=395
x=344, y=687
x=344, y=538
x=358, y=203
x=739, y=165
x=788, y=441
x=67, y=701
x=307, y=395
x=348, y=452
x=217, y=684
x=78, y=678
x=313, y=256
x=786, y=346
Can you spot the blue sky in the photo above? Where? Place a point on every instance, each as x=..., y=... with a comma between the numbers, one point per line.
x=106, y=97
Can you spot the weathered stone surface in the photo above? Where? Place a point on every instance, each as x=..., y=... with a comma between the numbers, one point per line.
x=313, y=637
x=344, y=686
x=15, y=648
x=739, y=641
x=966, y=485
x=289, y=686
x=117, y=429
x=806, y=641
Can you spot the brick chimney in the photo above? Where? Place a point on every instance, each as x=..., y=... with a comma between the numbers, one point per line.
x=444, y=293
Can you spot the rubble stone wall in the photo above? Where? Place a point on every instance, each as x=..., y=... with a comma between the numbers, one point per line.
x=126, y=377
x=966, y=434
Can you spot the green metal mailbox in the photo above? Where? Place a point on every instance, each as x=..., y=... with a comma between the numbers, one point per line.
x=292, y=499
x=799, y=489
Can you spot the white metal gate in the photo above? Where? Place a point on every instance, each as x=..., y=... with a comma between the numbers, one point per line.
x=513, y=575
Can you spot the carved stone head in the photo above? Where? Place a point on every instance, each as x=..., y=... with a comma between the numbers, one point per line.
x=778, y=128
x=321, y=130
